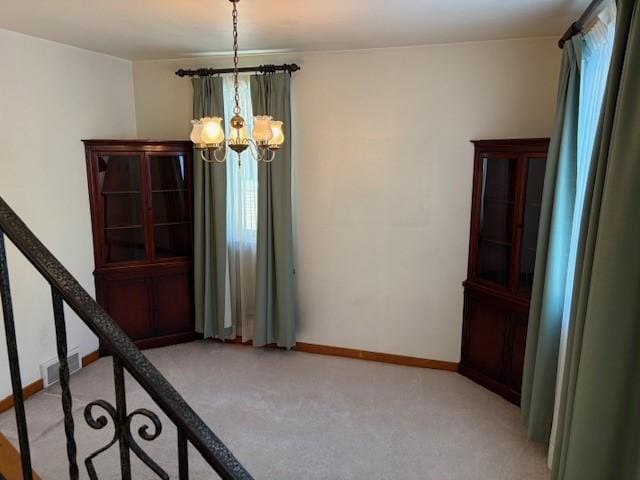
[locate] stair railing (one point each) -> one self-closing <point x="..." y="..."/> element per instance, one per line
<point x="126" y="356"/>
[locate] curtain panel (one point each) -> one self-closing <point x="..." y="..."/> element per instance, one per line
<point x="552" y="258"/>
<point x="209" y="221"/>
<point x="599" y="418"/>
<point x="275" y="296"/>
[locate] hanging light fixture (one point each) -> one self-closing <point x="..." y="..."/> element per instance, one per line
<point x="207" y="133"/>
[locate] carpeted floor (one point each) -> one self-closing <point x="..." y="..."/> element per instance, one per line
<point x="294" y="416"/>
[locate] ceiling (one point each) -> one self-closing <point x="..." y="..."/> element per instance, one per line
<point x="160" y="29"/>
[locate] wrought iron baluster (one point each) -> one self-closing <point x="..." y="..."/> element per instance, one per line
<point x="195" y="430"/>
<point x="183" y="456"/>
<point x="121" y="409"/>
<point x="98" y="423"/>
<point x="124" y="430"/>
<point x="14" y="365"/>
<point x="147" y="435"/>
<point x="61" y="343"/>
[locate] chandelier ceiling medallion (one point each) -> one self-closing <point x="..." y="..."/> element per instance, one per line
<point x="207" y="133"/>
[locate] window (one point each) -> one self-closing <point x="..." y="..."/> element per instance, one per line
<point x="242" y="219"/>
<point x="242" y="181"/>
<point x="597" y="46"/>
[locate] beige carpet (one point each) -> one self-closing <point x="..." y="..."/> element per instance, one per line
<point x="292" y="415"/>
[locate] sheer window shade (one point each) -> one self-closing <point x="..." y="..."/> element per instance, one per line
<point x="242" y="199"/>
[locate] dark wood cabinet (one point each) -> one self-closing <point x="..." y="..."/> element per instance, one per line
<point x="141" y="202"/>
<point x="505" y="212"/>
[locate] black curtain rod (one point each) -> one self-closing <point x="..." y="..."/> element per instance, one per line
<point x="577" y="26"/>
<point x="205" y="72"/>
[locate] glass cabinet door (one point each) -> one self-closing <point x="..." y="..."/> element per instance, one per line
<point x="531" y="219"/>
<point x="496" y="219"/>
<point x="171" y="215"/>
<point x="119" y="185"/>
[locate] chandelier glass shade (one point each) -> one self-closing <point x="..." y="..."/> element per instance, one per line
<point x="207" y="133"/>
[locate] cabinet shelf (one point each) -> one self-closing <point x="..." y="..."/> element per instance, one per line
<point x="170" y="190"/>
<point x="121" y="192"/>
<point x="495" y="242"/>
<point x="122" y="227"/>
<point x="168" y="224"/>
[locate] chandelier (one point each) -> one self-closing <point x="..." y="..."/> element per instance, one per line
<point x="207" y="133"/>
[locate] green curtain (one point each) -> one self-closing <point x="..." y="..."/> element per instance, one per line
<point x="552" y="258"/>
<point x="209" y="220"/>
<point x="275" y="297"/>
<point x="599" y="415"/>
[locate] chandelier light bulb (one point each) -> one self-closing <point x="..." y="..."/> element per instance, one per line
<point x="277" y="137"/>
<point x="212" y="132"/>
<point x="262" y="132"/>
<point x="196" y="132"/>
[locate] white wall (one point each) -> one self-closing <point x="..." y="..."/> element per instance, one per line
<point x="383" y="169"/>
<point x="51" y="97"/>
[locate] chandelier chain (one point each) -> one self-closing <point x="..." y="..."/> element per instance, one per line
<point x="208" y="134"/>
<point x="234" y="15"/>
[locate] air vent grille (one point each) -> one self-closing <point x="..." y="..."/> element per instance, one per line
<point x="51" y="369"/>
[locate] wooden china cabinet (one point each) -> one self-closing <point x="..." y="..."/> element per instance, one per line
<point x="507" y="193"/>
<point x="141" y="204"/>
